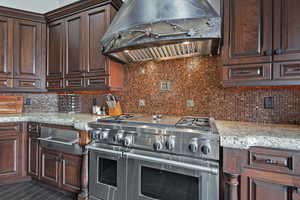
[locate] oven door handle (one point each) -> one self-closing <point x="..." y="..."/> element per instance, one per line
<point x="48" y="139"/>
<point x="211" y="170"/>
<point x="118" y="153"/>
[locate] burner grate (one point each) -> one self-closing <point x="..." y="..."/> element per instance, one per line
<point x="194" y="123"/>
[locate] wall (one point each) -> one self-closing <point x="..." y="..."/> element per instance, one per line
<point x="39" y="6"/>
<point x="198" y="79"/>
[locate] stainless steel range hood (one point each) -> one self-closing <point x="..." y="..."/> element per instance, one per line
<point x="146" y="30"/>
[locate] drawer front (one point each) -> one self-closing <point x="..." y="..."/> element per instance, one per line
<point x="273" y="160"/>
<point x="74" y="82"/>
<point x="94" y="82"/>
<point x="6" y="83"/>
<point x="27" y="83"/>
<point x="248" y="72"/>
<point x="287" y="70"/>
<point x="55" y="84"/>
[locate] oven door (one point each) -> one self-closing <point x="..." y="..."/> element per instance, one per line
<point x="107" y="174"/>
<point x="170" y="178"/>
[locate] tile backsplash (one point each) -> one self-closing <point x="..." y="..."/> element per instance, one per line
<point x="196" y="90"/>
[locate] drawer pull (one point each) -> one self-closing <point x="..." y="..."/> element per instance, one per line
<point x="271" y="162"/>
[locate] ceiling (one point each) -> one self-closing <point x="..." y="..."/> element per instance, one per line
<point x="39" y="6"/>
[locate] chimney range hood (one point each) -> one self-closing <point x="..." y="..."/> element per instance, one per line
<point x="146" y="30"/>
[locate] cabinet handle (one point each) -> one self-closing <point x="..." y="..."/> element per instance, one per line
<point x="278" y="51"/>
<point x="268" y="52"/>
<point x="271" y="162"/>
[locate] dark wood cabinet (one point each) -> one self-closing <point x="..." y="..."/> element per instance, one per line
<point x="247" y="31"/>
<point x="33" y="150"/>
<point x="261" y="173"/>
<point x="84" y="67"/>
<point x="261" y="32"/>
<point x="12" y="153"/>
<point x="6" y="52"/>
<point x="71" y="170"/>
<point x="50" y="167"/>
<point x="286" y="30"/>
<point x="22" y="51"/>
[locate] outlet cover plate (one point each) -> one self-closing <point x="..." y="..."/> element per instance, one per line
<point x="269" y="103"/>
<point x="27" y="101"/>
<point x="142" y="102"/>
<point x="190" y="103"/>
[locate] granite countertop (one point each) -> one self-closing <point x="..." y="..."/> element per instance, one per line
<point x="78" y="121"/>
<point x="243" y="135"/>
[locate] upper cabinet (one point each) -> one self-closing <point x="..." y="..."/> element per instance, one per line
<point x="261" y="43"/>
<point x="81" y="65"/>
<point x="248" y="31"/>
<point x="22" y="51"/>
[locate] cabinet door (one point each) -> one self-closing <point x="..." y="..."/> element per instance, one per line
<point x="287" y="30"/>
<point x="9" y="151"/>
<point x="28" y="54"/>
<point x="71" y="170"/>
<point x="50" y="166"/>
<point x="6" y="47"/>
<point x="261" y="185"/>
<point x="97" y="21"/>
<point x="33" y="157"/>
<point x="56" y="47"/>
<point x="247" y="31"/>
<point x="74" y="46"/>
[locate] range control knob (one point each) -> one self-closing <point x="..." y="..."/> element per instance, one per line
<point x="95" y="134"/>
<point x="157" y="146"/>
<point x="127" y="140"/>
<point x="193" y="146"/>
<point x="205" y="149"/>
<point x="119" y="136"/>
<point x="104" y="134"/>
<point x="170" y="143"/>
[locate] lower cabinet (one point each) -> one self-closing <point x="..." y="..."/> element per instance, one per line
<point x="61" y="170"/>
<point x="261" y="174"/>
<point x="12" y="153"/>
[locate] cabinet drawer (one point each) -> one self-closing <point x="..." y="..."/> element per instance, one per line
<point x="271" y="159"/>
<point x="247" y="72"/>
<point x="287" y="70"/>
<point x="74" y="82"/>
<point x="6" y="83"/>
<point x="27" y="83"/>
<point x="55" y="84"/>
<point x="94" y="82"/>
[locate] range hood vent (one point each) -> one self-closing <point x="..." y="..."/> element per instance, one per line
<point x="146" y="30"/>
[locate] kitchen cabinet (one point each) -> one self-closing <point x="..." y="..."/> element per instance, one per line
<point x="261" y="173"/>
<point x="55" y="58"/>
<point x="22" y="50"/>
<point x="247" y="31"/>
<point x="33" y="150"/>
<point x="261" y="33"/>
<point x="83" y="67"/>
<point x="61" y="170"/>
<point x="50" y="167"/>
<point x="12" y="153"/>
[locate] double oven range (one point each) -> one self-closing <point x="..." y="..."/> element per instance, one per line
<point x="139" y="157"/>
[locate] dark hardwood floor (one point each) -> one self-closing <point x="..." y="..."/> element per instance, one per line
<point x="31" y="191"/>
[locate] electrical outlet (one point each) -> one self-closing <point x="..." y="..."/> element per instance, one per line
<point x="142" y="102"/>
<point x="190" y="103"/>
<point x="268" y="103"/>
<point x="27" y="101"/>
<point x="165" y="86"/>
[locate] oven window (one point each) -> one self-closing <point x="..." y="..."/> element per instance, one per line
<point x="164" y="185"/>
<point x="107" y="171"/>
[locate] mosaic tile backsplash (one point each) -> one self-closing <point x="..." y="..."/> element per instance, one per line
<point x="198" y="79"/>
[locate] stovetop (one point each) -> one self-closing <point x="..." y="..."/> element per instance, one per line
<point x="159" y="121"/>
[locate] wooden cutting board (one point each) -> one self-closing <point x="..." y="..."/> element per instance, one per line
<point x="11" y="104"/>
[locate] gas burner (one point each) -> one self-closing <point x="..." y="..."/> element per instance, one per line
<point x="116" y="118"/>
<point x="197" y="123"/>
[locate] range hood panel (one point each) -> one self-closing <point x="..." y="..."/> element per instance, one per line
<point x="152" y="23"/>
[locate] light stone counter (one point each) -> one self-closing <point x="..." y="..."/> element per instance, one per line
<point x="243" y="135"/>
<point x="78" y="121"/>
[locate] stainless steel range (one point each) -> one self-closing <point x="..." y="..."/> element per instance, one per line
<point x="139" y="157"/>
